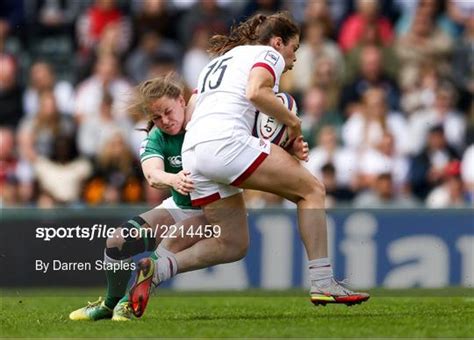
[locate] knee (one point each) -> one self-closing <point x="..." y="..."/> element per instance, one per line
<point x="316" y="191"/>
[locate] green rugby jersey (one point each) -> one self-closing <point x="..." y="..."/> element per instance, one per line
<point x="168" y="148"/>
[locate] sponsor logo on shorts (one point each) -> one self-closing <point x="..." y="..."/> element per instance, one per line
<point x="271" y="57"/>
<point x="175" y="161"/>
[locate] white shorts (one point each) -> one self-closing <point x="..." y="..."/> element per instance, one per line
<point x="176" y="212"/>
<point x="218" y="167"/>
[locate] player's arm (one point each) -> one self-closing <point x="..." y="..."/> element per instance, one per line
<point x="157" y="177"/>
<point x="260" y="93"/>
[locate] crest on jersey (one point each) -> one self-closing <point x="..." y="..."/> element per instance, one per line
<point x="271" y="57"/>
<point x="175" y="161"/>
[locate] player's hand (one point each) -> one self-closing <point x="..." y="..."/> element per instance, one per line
<point x="300" y="149"/>
<point x="182" y="183"/>
<point x="294" y="131"/>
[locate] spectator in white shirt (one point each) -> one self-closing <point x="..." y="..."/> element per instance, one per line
<point x="328" y="151"/>
<point x="365" y="129"/>
<point x="442" y="113"/>
<point x="42" y="78"/>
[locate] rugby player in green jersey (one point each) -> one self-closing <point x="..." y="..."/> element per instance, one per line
<point x="161" y="100"/>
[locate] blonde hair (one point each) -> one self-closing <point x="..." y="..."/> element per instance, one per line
<point x="150" y="90"/>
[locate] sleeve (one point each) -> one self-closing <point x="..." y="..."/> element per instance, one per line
<point x="152" y="146"/>
<point x="271" y="60"/>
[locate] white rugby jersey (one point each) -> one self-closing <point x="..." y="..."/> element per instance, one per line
<point x="222" y="108"/>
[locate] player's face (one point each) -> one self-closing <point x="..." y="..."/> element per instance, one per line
<point x="168" y="114"/>
<point x="288" y="52"/>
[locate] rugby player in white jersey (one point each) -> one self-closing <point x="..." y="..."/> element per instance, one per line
<point x="223" y="157"/>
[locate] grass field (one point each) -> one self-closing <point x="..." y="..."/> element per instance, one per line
<point x="410" y="313"/>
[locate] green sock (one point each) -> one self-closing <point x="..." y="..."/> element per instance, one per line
<point x="117" y="282"/>
<point x="124" y="299"/>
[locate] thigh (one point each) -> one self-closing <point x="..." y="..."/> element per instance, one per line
<point x="230" y="215"/>
<point x="281" y="174"/>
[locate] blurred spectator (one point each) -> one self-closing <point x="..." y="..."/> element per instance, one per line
<point x="315" y="115"/>
<point x="467" y="170"/>
<point x="154" y="16"/>
<point x="103" y="19"/>
<point x="383" y="195"/>
<point x="10" y="92"/>
<point x="434" y="7"/>
<point x="423" y="42"/>
<point x="442" y="113"/>
<point x="353" y="28"/>
<point x="306" y="10"/>
<point x="11" y="17"/>
<point x="463" y="62"/>
<point x="93" y="132"/>
<point x="61" y="177"/>
<point x="150" y="45"/>
<point x="106" y="77"/>
<point x="460" y="11"/>
<point x="365" y="129"/>
<point x="42" y="79"/>
<point x="313" y="48"/>
<point x="37" y="134"/>
<point x="428" y="167"/>
<point x="419" y="92"/>
<point x="320" y="11"/>
<point x="161" y="65"/>
<point x="55" y="17"/>
<point x="325" y="76"/>
<point x="382" y="160"/>
<point x="328" y="151"/>
<point x="16" y="177"/>
<point x="206" y="14"/>
<point x="116" y="177"/>
<point x="450" y="193"/>
<point x="196" y="58"/>
<point x="259" y="6"/>
<point x="335" y="193"/>
<point x="370" y="37"/>
<point x="370" y="74"/>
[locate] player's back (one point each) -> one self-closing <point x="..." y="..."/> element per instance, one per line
<point x="222" y="108"/>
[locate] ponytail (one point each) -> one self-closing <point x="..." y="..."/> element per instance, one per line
<point x="243" y="34"/>
<point x="258" y="29"/>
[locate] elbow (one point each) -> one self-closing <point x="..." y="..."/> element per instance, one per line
<point x="252" y="94"/>
<point x="149" y="179"/>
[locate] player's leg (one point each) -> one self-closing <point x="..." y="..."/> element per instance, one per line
<point x="298" y="185"/>
<point x="120" y="247"/>
<point x="230" y="245"/>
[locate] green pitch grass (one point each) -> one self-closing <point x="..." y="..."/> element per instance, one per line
<point x="413" y="313"/>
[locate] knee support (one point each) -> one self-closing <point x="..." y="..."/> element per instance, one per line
<point x="132" y="246"/>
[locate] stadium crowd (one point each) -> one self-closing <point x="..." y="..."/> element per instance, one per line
<point x="384" y="89"/>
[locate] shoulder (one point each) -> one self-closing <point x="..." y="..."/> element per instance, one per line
<point x="156" y="135"/>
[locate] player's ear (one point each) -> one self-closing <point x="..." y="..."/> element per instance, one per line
<point x="181" y="100"/>
<point x="276" y="43"/>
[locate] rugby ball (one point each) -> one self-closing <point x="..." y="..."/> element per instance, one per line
<point x="269" y="128"/>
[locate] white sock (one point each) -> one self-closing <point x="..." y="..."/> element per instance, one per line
<point x="166" y="266"/>
<point x="320" y="271"/>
